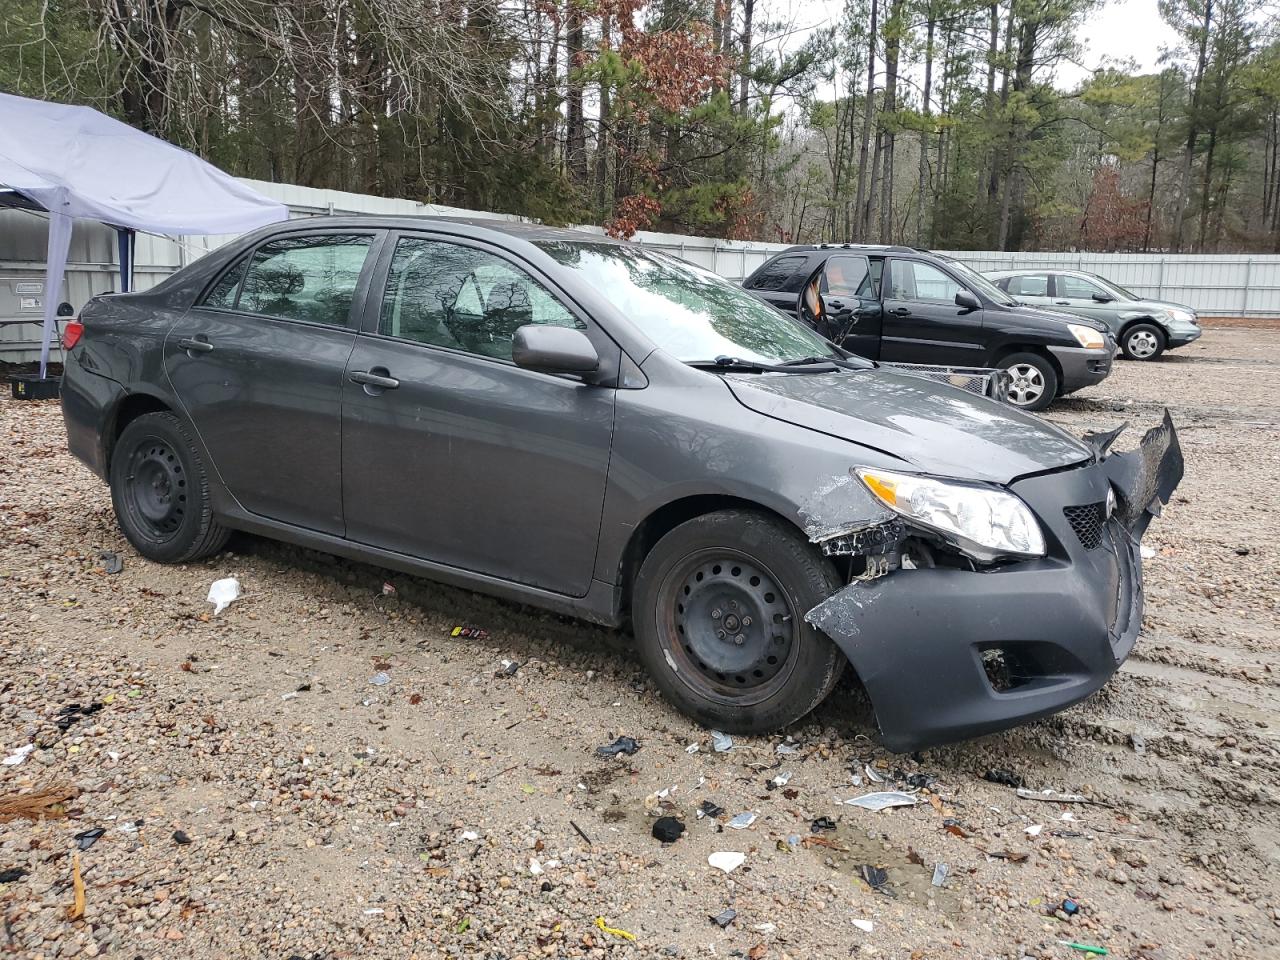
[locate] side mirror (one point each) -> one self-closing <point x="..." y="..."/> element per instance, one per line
<point x="1102" y="298"/>
<point x="66" y="310"/>
<point x="966" y="299"/>
<point x="551" y="349"/>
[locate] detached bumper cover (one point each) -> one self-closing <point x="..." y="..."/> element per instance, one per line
<point x="946" y="654"/>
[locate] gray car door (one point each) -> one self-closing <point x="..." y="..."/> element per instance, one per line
<point x="1076" y="295"/>
<point x="1030" y="288"/>
<point x="258" y="365"/>
<point x="450" y="452"/>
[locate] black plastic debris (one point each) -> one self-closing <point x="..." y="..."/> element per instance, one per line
<point x="877" y="878"/>
<point x="921" y="781"/>
<point x="546" y="887"/>
<point x="111" y="562"/>
<point x="625" y="745"/>
<point x="180" y="837"/>
<point x="1004" y="777"/>
<point x="725" y="917"/>
<point x="709" y="809"/>
<point x="12" y="874"/>
<point x="821" y="824"/>
<point x="509" y="668"/>
<point x="667" y="829"/>
<point x="1242" y="551"/>
<point x="87" y="838"/>
<point x="73" y="713"/>
<point x="1070" y="907"/>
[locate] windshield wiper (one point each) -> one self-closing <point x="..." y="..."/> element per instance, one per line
<point x="853" y="362"/>
<point x="752" y="366"/>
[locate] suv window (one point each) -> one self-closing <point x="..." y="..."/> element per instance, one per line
<point x="913" y="280"/>
<point x="776" y="274"/>
<point x="311" y="278"/>
<point x="1033" y="285"/>
<point x="448" y="295"/>
<point x="847" y="277"/>
<point x="1076" y="288"/>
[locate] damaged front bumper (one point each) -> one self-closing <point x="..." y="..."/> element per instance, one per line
<point x="947" y="653"/>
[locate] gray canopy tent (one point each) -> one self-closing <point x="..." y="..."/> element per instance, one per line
<point x="75" y="163"/>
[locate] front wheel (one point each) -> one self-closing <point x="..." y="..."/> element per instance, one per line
<point x="160" y="491"/>
<point x="718" y="608"/>
<point x="1034" y="382"/>
<point x="1143" y="341"/>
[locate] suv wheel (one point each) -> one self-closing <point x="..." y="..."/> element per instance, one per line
<point x="1143" y="341"/>
<point x="1034" y="382"/>
<point x="718" y="608"/>
<point x="160" y="491"/>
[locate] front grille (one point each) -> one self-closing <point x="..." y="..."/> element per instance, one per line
<point x="1088" y="522"/>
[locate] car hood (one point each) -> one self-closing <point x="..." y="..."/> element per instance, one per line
<point x="1060" y="317"/>
<point x="1156" y="305"/>
<point x="934" y="428"/>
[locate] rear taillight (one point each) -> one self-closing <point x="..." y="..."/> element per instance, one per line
<point x="71" y="334"/>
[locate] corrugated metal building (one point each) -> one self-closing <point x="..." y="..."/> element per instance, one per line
<point x="1234" y="285"/>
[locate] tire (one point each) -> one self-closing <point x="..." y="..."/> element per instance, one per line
<point x="160" y="491"/>
<point x="1143" y="341"/>
<point x="744" y="571"/>
<point x="1035" y="382"/>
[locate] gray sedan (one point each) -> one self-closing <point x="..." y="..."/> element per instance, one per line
<point x="594" y="429"/>
<point x="1144" y="328"/>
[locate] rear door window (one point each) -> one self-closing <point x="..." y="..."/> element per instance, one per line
<point x="312" y="278"/>
<point x="785" y="274"/>
<point x="1032" y="285"/>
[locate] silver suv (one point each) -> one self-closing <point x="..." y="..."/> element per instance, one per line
<point x="1144" y="328"/>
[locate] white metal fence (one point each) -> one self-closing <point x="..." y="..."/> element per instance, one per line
<point x="1228" y="286"/>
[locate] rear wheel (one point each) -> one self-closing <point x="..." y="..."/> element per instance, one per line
<point x="160" y="491"/>
<point x="718" y="608"/>
<point x="1034" y="383"/>
<point x="1143" y="341"/>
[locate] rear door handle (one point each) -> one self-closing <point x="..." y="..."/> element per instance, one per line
<point x="368" y="378"/>
<point x="192" y="345"/>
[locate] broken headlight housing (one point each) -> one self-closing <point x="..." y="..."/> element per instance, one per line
<point x="993" y="520"/>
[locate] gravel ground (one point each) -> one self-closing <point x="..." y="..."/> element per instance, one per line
<point x="261" y="797"/>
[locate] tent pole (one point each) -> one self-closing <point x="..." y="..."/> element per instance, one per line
<point x="125" y="243"/>
<point x="55" y="267"/>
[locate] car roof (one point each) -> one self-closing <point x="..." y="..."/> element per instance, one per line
<point x="857" y="247"/>
<point x="480" y="226"/>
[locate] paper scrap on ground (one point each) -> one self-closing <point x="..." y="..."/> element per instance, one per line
<point x="222" y="593"/>
<point x="727" y="861"/>
<point x="881" y="801"/>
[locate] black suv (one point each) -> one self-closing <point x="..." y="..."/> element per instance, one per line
<point x="903" y="305"/>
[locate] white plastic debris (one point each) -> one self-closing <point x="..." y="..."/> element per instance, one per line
<point x="939" y="875"/>
<point x="881" y="801"/>
<point x="787" y="747"/>
<point x="870" y="771"/>
<point x="222" y="593"/>
<point x="781" y="780"/>
<point x="291" y="695"/>
<point x="866" y="926"/>
<point x="742" y="821"/>
<point x="15" y="758"/>
<point x="691" y="748"/>
<point x="1034" y="830"/>
<point x="535" y="867"/>
<point x="721" y="742"/>
<point x="727" y="860"/>
<point x="469" y="835"/>
<point x="374" y="912"/>
<point x="765" y="927"/>
<point x="1148" y="553"/>
<point x="1052" y="796"/>
<point x="380" y="679"/>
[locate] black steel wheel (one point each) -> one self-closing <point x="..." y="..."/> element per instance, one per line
<point x="160" y="491"/>
<point x="719" y="608"/>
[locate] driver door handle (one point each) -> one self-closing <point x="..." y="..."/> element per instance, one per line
<point x="1062" y="303"/>
<point x="192" y="345"/>
<point x="901" y="311"/>
<point x="370" y="379"/>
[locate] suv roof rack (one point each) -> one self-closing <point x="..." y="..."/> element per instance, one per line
<point x="877" y="247"/>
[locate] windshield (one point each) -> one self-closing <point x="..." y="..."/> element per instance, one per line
<point x="689" y="312"/>
<point x="977" y="283"/>
<point x="1115" y="288"/>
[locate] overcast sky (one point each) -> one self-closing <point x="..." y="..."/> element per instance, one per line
<point x="1121" y="29"/>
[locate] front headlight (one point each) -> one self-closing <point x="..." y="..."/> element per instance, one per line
<point x="1087" y="337"/>
<point x="1182" y="316"/>
<point x="993" y="519"/>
